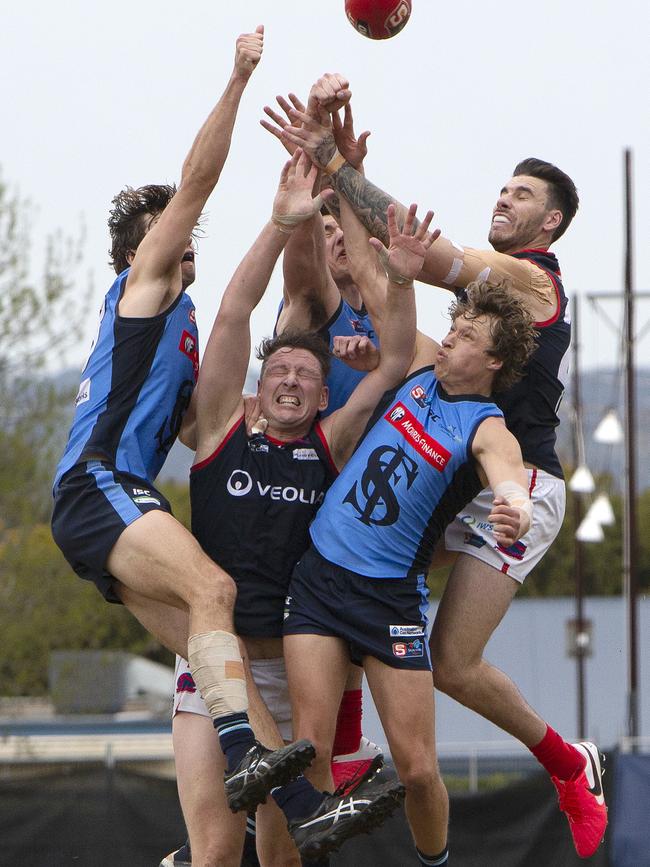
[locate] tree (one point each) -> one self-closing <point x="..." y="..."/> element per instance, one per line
<point x="39" y="321"/>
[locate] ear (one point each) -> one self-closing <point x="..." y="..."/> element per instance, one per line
<point x="130" y="256"/>
<point x="324" y="398"/>
<point x="494" y="363"/>
<point x="552" y="220"/>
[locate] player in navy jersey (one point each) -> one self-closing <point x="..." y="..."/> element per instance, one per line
<point x="534" y="208"/>
<point x="320" y="294"/>
<point x="253" y="497"/>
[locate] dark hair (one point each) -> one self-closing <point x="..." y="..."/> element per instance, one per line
<point x="511" y="328"/>
<point x="127" y="219"/>
<point x="312" y="341"/>
<point x="563" y="194"/>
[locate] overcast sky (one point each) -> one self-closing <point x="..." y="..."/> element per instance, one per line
<point x="99" y="95"/>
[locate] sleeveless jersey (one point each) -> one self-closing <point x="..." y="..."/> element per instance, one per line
<point x="531" y="406"/>
<point x="252" y="503"/>
<point x="410" y="475"/>
<point x="138" y="381"/>
<point x="342" y="379"/>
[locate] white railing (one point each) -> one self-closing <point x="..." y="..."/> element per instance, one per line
<point x="107" y="748"/>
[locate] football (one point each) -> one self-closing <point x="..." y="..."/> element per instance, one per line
<point x="378" y="19"/>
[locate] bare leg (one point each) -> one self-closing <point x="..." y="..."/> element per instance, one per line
<point x="317" y="668"/>
<point x="475" y="600"/>
<point x="216" y="834"/>
<point x="159" y="559"/>
<point x="405" y="704"/>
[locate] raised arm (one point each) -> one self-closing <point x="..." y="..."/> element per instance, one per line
<point x="406" y="252"/>
<point x="446" y="264"/>
<point x="226" y="357"/>
<point x="501" y="467"/>
<point x="155" y="279"/>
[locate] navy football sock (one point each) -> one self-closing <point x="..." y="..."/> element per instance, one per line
<point x="235" y="736"/>
<point x="439" y="860"/>
<point x="298" y="798"/>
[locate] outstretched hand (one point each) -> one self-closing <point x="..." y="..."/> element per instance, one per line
<point x="248" y="52"/>
<point x="293" y="201"/>
<point x="407" y="247"/>
<point x="351" y="148"/>
<point x="279" y="123"/>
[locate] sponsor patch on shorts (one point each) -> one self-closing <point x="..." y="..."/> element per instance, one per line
<point x="474" y="540"/>
<point x="408" y="649"/>
<point x="412" y="630"/>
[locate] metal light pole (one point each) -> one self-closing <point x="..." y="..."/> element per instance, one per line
<point x="578" y="514"/>
<point x="630" y="543"/>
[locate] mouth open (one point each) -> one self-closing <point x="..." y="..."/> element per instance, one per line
<point x="188" y="257"/>
<point x="288" y="400"/>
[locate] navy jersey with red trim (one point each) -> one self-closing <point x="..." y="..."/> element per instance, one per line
<point x="136" y="386"/>
<point x="252" y="503"/>
<point x="411" y="473"/>
<point x="531" y="406"/>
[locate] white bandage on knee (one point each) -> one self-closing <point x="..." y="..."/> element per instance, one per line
<point x="218" y="671"/>
<point x="517" y="497"/>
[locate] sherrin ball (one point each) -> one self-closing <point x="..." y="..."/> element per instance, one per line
<point x="378" y="19"/>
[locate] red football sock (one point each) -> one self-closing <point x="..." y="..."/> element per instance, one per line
<point x="348" y="724"/>
<point x="559" y="758"/>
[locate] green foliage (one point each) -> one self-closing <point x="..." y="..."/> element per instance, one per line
<point x="44" y="607"/>
<point x="38" y="323"/>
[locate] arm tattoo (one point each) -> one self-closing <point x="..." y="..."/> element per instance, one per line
<point x="368" y="202"/>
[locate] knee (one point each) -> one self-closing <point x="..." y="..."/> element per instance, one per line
<point x="421" y="778"/>
<point x="451" y="669"/>
<point x="213" y="588"/>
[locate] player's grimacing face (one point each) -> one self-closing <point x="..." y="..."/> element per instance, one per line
<point x="519" y="213"/>
<point x="292" y="389"/>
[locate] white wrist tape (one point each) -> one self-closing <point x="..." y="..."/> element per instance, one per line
<point x="218" y="671"/>
<point x="287" y="222"/>
<point x="517" y="497"/>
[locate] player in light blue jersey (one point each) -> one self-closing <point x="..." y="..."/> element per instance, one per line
<point x="111" y="523"/>
<point x="360" y="593"/>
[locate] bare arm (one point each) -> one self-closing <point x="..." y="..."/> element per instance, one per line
<point x="225" y="362"/>
<point x="501" y="467"/>
<point x="446" y="264"/>
<point x="406" y="252"/>
<point x="155" y="279"/>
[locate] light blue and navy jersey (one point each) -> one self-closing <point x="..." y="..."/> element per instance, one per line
<point x="136" y="386"/>
<point x="342" y="379"/>
<point x="411" y="473"/>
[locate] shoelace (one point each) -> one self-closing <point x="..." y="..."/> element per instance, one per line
<point x="569" y="801"/>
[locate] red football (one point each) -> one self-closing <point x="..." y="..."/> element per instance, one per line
<point x="378" y="19"/>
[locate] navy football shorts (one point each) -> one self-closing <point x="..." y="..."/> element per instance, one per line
<point x="93" y="504"/>
<point x="380" y="617"/>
